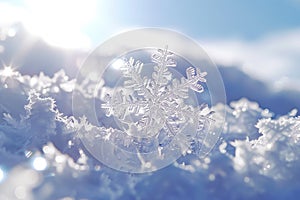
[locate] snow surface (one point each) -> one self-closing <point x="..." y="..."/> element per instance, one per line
<point x="42" y="157"/>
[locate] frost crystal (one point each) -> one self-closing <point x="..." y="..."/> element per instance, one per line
<point x="146" y="105"/>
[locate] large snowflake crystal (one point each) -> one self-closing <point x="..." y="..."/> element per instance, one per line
<point x="145" y="106"/>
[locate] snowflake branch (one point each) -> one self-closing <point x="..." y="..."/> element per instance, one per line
<point x="161" y="74"/>
<point x="132" y="71"/>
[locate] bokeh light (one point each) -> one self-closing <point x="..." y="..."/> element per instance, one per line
<point x="39" y="163"/>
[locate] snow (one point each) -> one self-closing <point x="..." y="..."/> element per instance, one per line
<point x="42" y="156"/>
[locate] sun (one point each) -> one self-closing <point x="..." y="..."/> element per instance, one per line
<point x="8" y="71"/>
<point x="60" y="23"/>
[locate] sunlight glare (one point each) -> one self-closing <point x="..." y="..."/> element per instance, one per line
<point x="61" y="23"/>
<point x="8" y="71"/>
<point x="118" y="64"/>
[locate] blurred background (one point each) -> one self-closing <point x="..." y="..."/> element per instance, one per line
<point x="255" y="43"/>
<point x="256" y="46"/>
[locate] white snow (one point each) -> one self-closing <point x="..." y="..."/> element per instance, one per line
<point x="257" y="155"/>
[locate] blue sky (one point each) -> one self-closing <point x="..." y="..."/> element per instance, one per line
<point x="204" y="19"/>
<point x="259" y="37"/>
<point x="200" y="19"/>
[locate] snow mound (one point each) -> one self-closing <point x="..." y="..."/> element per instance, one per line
<point x="42" y="157"/>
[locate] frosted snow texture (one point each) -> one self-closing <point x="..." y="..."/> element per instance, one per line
<point x="257" y="156"/>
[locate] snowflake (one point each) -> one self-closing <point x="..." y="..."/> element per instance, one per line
<point x="146" y="106"/>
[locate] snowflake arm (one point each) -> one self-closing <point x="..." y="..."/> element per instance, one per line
<point x="180" y="88"/>
<point x="161" y="74"/>
<point x="132" y="71"/>
<point x="120" y="105"/>
<point x="194" y="78"/>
